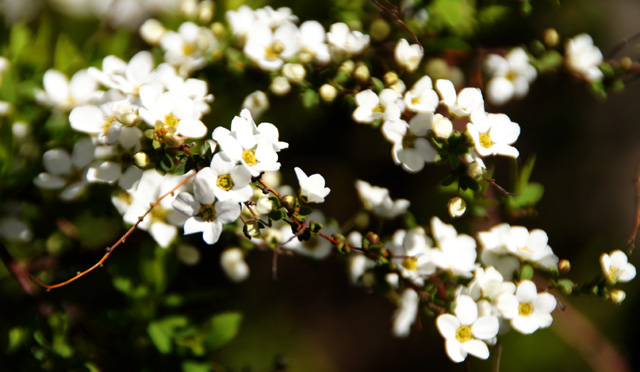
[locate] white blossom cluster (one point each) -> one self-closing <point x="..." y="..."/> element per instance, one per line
<point x="169" y="105"/>
<point x="492" y="134"/>
<point x="490" y="300"/>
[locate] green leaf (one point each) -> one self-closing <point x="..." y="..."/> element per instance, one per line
<point x="493" y="14"/>
<point x="19" y="40"/>
<point x="194" y="366"/>
<point x="378" y="85"/>
<point x="310" y="98"/>
<point x="222" y="328"/>
<point x="304" y="211"/>
<point x="67" y="56"/>
<point x="549" y="61"/>
<point x="162" y="332"/>
<point x="458" y="16"/>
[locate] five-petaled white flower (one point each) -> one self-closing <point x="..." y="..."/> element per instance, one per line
<point x="410" y="148"/>
<point x="584" y="58"/>
<point x="422" y="97"/>
<point x="312" y="188"/>
<point x="373" y="107"/>
<point x="616" y="267"/>
<point x="206" y="215"/>
<point x="509" y="76"/>
<point x="462" y="104"/>
<point x="528" y="310"/>
<point x="493" y="134"/>
<point x="464" y="332"/>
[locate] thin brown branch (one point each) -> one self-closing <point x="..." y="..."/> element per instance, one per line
<point x="500" y="188"/>
<point x="636" y="222"/>
<point x="622" y="44"/>
<point x="115" y="245"/>
<point x="394" y="12"/>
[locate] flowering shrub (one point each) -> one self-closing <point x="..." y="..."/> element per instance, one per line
<point x="194" y="122"/>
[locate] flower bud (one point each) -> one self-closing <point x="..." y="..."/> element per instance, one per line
<point x="442" y="126"/>
<point x="551" y="37"/>
<point x="295" y="72"/>
<point x="189" y="8"/>
<point x="475" y="170"/>
<point x="362" y="72"/>
<point x="141" y="159"/>
<point x="347" y="67"/>
<point x="288" y="202"/>
<point x="257" y="103"/>
<point x="233" y="264"/>
<point x="152" y="31"/>
<point x="20" y="130"/>
<point x="128" y="118"/>
<point x="617" y="296"/>
<point x="218" y="30"/>
<point x="280" y="86"/>
<point x="390" y="78"/>
<point x="626" y="63"/>
<point x="564" y="266"/>
<point x="379" y="29"/>
<point x="399" y="87"/>
<point x="457" y="206"/>
<point x="373" y="238"/>
<point x="328" y="93"/>
<point x="264" y="205"/>
<point x="205" y="11"/>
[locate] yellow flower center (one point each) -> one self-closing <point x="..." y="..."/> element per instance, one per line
<point x="525" y="309"/>
<point x="409" y="140"/>
<point x="188" y="49"/>
<point x="274" y="50"/>
<point x="612" y="273"/>
<point x="463" y="334"/>
<point x="410" y="263"/>
<point x="207" y="212"/>
<point x="485" y="140"/>
<point x="249" y="157"/>
<point x="225" y="182"/>
<point x="415" y="100"/>
<point x="379" y="109"/>
<point x="170" y="120"/>
<point x="159" y="214"/>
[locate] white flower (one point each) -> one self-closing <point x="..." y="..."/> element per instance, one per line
<point x="496" y="250"/>
<point x="455" y="252"/>
<point x="328" y="92"/>
<point x="233" y="263"/>
<point x="152" y="31"/>
<point x="464" y="332"/>
<point x="313" y="46"/>
<point x="488" y="283"/>
<point x="14" y="228"/>
<point x="441" y="126"/>
<point x="377" y="200"/>
<point x="206" y="215"/>
<point x="267" y="48"/>
<point x="413" y="247"/>
<point x="583" y="58"/>
<point x="227" y="180"/>
<point x="312" y="188"/>
<point x="408" y="56"/>
<point x="528" y="310"/>
<point x="373" y="107"/>
<point x="254" y="146"/>
<point x="493" y="134"/>
<point x="410" y="148"/>
<point x="170" y="113"/>
<point x="241" y="20"/>
<point x="187" y="48"/>
<point x="64" y="171"/>
<point x="346" y="42"/>
<point x="63" y="94"/>
<point x="275" y="18"/>
<point x="406" y="313"/>
<point x="422" y="97"/>
<point x="616" y="267"/>
<point x="163" y="220"/>
<point x="129" y="77"/>
<point x="463" y="104"/>
<point x="510" y="76"/>
<point x="257" y="103"/>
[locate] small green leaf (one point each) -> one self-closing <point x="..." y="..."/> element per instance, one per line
<point x="526" y="273"/>
<point x="162" y="332"/>
<point x="378" y="85"/>
<point x="67" y="56"/>
<point x="304" y="211"/>
<point x="194" y="366"/>
<point x="310" y="98"/>
<point x="492" y="14"/>
<point x="222" y="328"/>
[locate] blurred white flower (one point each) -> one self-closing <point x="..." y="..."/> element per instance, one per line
<point x="616" y="267"/>
<point x="406" y="313"/>
<point x="408" y="56"/>
<point x="233" y="264"/>
<point x="509" y="76"/>
<point x="312" y="188"/>
<point x="377" y="200"/>
<point x="583" y="58"/>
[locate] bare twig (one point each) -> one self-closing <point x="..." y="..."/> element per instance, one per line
<point x="394" y="12"/>
<point x="110" y="249"/>
<point x="500" y="188"/>
<point x="636" y="222"/>
<point x="623" y="43"/>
